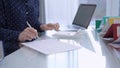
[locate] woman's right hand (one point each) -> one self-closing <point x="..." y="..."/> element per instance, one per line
<point x="28" y="34"/>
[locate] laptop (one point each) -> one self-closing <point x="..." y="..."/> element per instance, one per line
<point x="82" y="18"/>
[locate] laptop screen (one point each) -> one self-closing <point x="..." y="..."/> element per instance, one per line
<point x="84" y="15"/>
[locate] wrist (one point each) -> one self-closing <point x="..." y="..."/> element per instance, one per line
<point x="42" y="27"/>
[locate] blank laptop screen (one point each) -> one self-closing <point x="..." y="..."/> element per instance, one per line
<point x="84" y="15"/>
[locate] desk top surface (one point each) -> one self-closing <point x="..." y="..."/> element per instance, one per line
<point x="94" y="53"/>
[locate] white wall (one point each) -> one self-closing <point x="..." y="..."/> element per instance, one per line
<point x="83" y="1"/>
<point x="61" y="11"/>
<point x="112" y="8"/>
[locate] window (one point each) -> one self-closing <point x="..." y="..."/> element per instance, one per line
<point x="100" y="9"/>
<point x="112" y="8"/>
<point x="63" y="11"/>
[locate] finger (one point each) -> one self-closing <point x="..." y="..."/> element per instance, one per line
<point x="28" y="36"/>
<point x="56" y="26"/>
<point x="24" y="36"/>
<point x="32" y="31"/>
<point x="31" y="35"/>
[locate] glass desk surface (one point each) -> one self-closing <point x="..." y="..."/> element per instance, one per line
<point x="94" y="53"/>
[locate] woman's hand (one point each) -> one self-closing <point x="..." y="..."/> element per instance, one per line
<point x="50" y="26"/>
<point x="28" y="34"/>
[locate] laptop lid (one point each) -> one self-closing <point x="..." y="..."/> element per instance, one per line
<point x="84" y="15"/>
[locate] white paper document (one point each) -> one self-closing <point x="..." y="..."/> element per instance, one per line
<point x="50" y="46"/>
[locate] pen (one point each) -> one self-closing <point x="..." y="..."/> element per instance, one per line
<point x="30" y="27"/>
<point x="29" y="24"/>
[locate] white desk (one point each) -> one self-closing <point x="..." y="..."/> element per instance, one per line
<point x="94" y="53"/>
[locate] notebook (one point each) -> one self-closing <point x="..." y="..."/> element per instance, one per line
<point x="82" y="18"/>
<point x="50" y="46"/>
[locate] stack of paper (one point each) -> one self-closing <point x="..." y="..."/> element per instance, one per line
<point x="50" y="46"/>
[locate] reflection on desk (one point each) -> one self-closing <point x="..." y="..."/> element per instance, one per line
<point x="94" y="53"/>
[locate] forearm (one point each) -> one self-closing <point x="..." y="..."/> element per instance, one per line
<point x="42" y="27"/>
